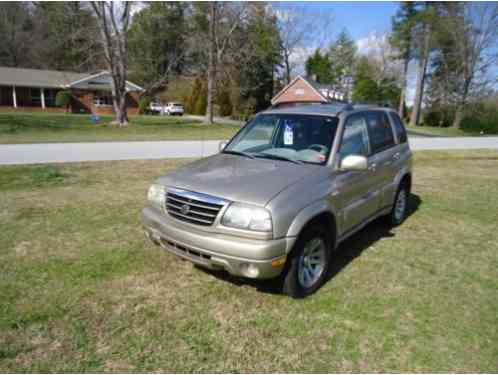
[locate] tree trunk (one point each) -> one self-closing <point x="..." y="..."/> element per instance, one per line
<point x="401" y="109"/>
<point x="457" y="120"/>
<point x="120" y="107"/>
<point x="287" y="68"/>
<point x="421" y="69"/>
<point x="123" y="111"/>
<point x="211" y="73"/>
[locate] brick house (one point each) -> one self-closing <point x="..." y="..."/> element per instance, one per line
<point x="35" y="90"/>
<point x="306" y="90"/>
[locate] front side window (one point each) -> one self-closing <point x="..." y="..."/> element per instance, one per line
<point x="399" y="127"/>
<point x="380" y="131"/>
<point x="298" y="138"/>
<point x="355" y="137"/>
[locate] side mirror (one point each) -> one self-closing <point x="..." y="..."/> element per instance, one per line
<point x="354" y="163"/>
<point x="222" y="145"/>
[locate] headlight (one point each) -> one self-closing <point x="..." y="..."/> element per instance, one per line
<point x="247" y="217"/>
<point x="157" y="195"/>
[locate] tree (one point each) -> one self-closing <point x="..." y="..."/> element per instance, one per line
<point x="365" y="88"/>
<point x="114" y="23"/>
<point x="298" y="28"/>
<point x="342" y="55"/>
<point x="372" y="84"/>
<point x="319" y="67"/>
<point x="260" y="56"/>
<point x="158" y="44"/>
<point x="467" y="36"/>
<point x="15" y="29"/>
<point x="401" y="38"/>
<point x="65" y="37"/>
<point x="423" y="41"/>
<point x="219" y="20"/>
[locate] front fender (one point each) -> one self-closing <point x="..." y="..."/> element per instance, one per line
<point x="309" y="213"/>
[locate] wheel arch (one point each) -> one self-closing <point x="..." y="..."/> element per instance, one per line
<point x="407" y="178"/>
<point x="321" y="213"/>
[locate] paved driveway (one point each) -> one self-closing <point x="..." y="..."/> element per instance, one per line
<point x="98" y="151"/>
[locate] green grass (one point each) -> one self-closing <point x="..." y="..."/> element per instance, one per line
<point x="81" y="290"/>
<point x="55" y="127"/>
<point x="436" y="131"/>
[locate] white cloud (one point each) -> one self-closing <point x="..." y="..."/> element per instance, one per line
<point x="298" y="58"/>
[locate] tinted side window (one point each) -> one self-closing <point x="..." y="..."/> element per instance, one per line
<point x="399" y="127"/>
<point x="380" y="131"/>
<point x="355" y="137"/>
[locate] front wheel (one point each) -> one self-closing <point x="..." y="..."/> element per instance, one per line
<point x="308" y="264"/>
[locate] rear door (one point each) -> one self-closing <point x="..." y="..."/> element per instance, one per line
<point x="383" y="158"/>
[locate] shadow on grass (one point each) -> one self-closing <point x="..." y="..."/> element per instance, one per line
<point x="345" y="253"/>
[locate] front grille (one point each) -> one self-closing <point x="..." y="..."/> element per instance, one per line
<point x="194" y="208"/>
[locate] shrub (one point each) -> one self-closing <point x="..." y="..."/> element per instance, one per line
<point x="63" y="99"/>
<point x="143" y="104"/>
<point x="224" y="103"/>
<point x="200" y="105"/>
<point x="439" y="117"/>
<point x="485" y="120"/>
<point x="195" y="104"/>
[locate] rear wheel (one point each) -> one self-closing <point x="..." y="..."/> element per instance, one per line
<point x="400" y="207"/>
<point x="308" y="264"/>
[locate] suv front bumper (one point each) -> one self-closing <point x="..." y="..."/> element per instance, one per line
<point x="239" y="256"/>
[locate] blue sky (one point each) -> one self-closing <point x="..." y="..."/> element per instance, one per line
<point x="360" y="18"/>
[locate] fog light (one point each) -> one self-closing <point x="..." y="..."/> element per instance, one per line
<point x="249" y="270"/>
<point x="275" y="263"/>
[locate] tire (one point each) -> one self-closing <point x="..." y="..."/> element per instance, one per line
<point x="400" y="206"/>
<point x="297" y="282"/>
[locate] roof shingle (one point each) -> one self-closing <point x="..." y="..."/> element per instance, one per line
<point x="38" y="78"/>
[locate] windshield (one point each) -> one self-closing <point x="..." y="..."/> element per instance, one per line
<point x="296" y="138"/>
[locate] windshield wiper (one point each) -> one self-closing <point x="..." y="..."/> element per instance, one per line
<point x="277" y="157"/>
<point x="231" y="152"/>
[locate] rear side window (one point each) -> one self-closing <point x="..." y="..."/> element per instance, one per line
<point x="380" y="131"/>
<point x="399" y="127"/>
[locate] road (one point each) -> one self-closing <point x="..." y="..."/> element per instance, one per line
<point x="99" y="151"/>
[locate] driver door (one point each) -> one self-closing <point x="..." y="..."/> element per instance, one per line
<point x="357" y="196"/>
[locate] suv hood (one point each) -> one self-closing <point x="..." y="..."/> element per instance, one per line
<point x="238" y="178"/>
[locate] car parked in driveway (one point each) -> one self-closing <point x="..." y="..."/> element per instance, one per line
<point x="174" y="109"/>
<point x="156" y="107"/>
<point x="284" y="192"/>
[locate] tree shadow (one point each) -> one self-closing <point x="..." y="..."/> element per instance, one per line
<point x="345" y="253"/>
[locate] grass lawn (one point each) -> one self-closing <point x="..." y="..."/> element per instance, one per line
<point x="81" y="290"/>
<point x="55" y="127"/>
<point x="445" y="132"/>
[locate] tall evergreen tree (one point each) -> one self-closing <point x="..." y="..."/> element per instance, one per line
<point x="318" y="66"/>
<point x="402" y="39"/>
<point x="342" y="55"/>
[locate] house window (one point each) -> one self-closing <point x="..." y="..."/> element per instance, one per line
<point x="49" y="97"/>
<point x="35" y="96"/>
<point x="101" y="99"/>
